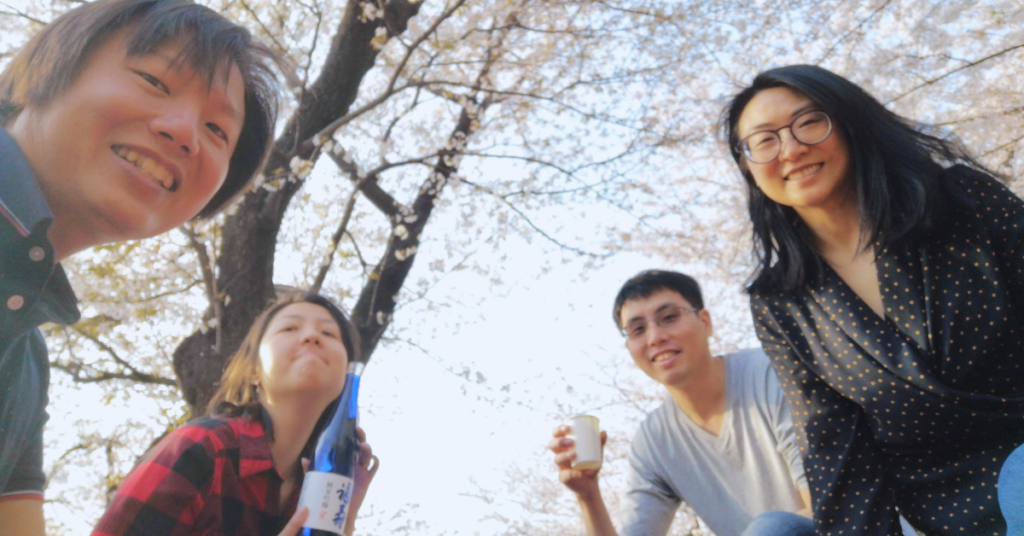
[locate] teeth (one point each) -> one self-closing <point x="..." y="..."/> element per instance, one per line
<point x="148" y="167"/>
<point x="662" y="357"/>
<point x="801" y="173"/>
<point x="162" y="175"/>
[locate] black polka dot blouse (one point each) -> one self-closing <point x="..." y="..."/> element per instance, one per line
<point x="917" y="411"/>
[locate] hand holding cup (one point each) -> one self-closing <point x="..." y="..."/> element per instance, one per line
<point x="578" y="453"/>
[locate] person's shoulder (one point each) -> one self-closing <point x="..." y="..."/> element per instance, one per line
<point x="985" y="197"/>
<point x="656" y="421"/>
<point x="975" y="186"/>
<point x="763" y="295"/>
<point x="212" y="434"/>
<point x="655" y="434"/>
<point x="771" y="299"/>
<point x="748" y="368"/>
<point x="748" y="357"/>
<point x="212" y="425"/>
<point x="967" y="174"/>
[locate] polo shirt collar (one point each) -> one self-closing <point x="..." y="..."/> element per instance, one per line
<point x="21" y="200"/>
<point x="24" y="207"/>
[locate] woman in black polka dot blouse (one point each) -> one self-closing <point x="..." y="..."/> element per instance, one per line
<point x="890" y="297"/>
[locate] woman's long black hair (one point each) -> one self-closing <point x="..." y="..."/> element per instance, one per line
<point x="896" y="166"/>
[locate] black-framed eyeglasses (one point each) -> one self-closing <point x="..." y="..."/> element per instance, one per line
<point x="664" y="318"/>
<point x="809" y="128"/>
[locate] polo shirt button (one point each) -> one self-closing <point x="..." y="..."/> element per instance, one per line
<point x="36" y="253"/>
<point x="15" y="302"/>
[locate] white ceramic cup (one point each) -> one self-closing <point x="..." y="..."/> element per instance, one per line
<point x="585" y="431"/>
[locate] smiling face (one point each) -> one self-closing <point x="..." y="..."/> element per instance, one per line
<point x="673" y="353"/>
<point x="302" y="354"/>
<point x="803" y="176"/>
<point x="134" y="147"/>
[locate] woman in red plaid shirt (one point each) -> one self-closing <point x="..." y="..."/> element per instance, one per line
<point x="239" y="471"/>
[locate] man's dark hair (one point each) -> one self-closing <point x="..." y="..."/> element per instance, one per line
<point x="897" y="169"/>
<point x="647" y="282"/>
<point x="54" y="57"/>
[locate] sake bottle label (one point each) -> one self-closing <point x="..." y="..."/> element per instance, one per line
<point x="327" y="496"/>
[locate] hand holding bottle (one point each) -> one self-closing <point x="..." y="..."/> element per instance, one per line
<point x="364" y="476"/>
<point x="295" y="523"/>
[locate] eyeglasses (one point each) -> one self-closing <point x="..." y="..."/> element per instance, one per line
<point x="809" y="128"/>
<point x="665" y="318"/>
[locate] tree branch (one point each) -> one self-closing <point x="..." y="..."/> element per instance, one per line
<point x="209" y="280"/>
<point x="534" y="226"/>
<point x="359" y="254"/>
<point x="390" y="91"/>
<point x="553" y="100"/>
<point x="420" y="40"/>
<point x="851" y="31"/>
<point x="374" y="193"/>
<point x="954" y="71"/>
<point x="1003" y="146"/>
<point x="15" y="12"/>
<point x="75" y="369"/>
<point x="336" y="237"/>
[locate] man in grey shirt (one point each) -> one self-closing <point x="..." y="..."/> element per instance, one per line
<point x="722" y="441"/>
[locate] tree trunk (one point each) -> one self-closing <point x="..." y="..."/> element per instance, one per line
<point x="246" y="263"/>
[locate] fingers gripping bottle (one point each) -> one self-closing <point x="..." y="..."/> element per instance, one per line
<point x="327" y="487"/>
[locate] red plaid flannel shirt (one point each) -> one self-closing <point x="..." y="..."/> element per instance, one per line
<point x="211" y="477"/>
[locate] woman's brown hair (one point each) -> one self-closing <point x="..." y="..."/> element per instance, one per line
<point x="237" y="396"/>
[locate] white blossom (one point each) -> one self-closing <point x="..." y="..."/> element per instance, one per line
<point x="301" y="168"/>
<point x="380" y="38"/>
<point x="370" y="11"/>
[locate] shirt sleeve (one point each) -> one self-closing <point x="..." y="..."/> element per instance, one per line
<point x="22" y="418"/>
<point x="164" y="494"/>
<point x="649" y="505"/>
<point x="782" y="427"/>
<point x="846" y="478"/>
<point x="27" y="479"/>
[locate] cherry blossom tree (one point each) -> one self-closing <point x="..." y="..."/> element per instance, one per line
<point x="447" y="130"/>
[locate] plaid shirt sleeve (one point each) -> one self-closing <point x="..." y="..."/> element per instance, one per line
<point x="165" y="494"/>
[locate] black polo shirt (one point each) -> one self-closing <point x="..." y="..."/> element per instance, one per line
<point x="33" y="290"/>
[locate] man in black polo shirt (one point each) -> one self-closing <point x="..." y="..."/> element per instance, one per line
<point x="121" y="120"/>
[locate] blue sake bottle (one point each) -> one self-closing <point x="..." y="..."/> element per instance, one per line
<point x="328" y="485"/>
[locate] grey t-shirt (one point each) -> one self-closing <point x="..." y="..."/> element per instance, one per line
<point x="753" y="466"/>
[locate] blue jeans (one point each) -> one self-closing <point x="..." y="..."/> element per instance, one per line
<point x="779" y="524"/>
<point x="1011" y="492"/>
